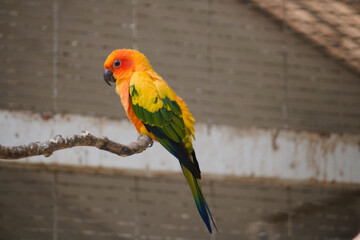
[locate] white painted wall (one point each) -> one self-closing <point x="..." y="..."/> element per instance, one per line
<point x="220" y="150"/>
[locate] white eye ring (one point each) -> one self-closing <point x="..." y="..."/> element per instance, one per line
<point x="117" y="63"/>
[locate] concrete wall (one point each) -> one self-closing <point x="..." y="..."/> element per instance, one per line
<point x="220" y="149"/>
<point x="232" y="64"/>
<point x="42" y="203"/>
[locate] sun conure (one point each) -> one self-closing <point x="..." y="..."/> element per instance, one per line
<point x="155" y="110"/>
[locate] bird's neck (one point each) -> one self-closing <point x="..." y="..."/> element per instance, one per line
<point x="122" y="89"/>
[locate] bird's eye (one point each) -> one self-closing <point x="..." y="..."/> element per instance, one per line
<point x="117" y="63"/>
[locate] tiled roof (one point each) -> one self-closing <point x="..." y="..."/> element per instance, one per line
<point x="332" y="24"/>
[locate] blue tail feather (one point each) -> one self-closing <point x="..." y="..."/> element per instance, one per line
<point x="191" y="170"/>
<point x="201" y="205"/>
<point x="213" y="222"/>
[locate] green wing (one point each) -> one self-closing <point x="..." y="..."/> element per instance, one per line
<point x="154" y="103"/>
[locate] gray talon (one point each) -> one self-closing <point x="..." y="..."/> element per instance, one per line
<point x="150" y="145"/>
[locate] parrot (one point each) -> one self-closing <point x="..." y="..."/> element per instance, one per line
<point x="156" y="111"/>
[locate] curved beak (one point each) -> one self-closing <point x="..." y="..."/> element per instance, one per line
<point x="108" y="76"/>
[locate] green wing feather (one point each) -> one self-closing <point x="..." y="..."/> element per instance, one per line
<point x="154" y="103"/>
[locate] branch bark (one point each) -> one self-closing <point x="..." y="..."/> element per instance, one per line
<point x="83" y="139"/>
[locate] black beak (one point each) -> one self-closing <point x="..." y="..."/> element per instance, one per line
<point x="108" y="76"/>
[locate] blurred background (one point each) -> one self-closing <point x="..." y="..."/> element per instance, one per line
<point x="273" y="85"/>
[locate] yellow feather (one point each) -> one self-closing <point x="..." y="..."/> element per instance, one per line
<point x="146" y="88"/>
<point x="149" y="86"/>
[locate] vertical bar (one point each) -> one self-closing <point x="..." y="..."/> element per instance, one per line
<point x="134" y="24"/>
<point x="136" y="214"/>
<point x="55" y="208"/>
<point x="289" y="213"/>
<point x="212" y="204"/>
<point x="209" y="63"/>
<point x="55" y="53"/>
<point x="284" y="70"/>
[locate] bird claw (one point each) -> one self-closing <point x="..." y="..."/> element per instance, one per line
<point x="150" y="145"/>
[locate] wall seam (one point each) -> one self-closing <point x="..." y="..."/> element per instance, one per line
<point x="55" y="53"/>
<point x="284" y="108"/>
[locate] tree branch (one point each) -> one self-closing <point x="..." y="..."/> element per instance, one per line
<point x="82" y="139"/>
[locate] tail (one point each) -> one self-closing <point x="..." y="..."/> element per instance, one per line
<point x="199" y="198"/>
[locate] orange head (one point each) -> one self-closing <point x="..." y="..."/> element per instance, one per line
<point x="122" y="63"/>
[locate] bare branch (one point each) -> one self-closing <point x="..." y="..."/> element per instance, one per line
<point x="82" y="139"/>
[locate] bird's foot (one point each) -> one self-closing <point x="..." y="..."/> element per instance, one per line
<point x="150" y="145"/>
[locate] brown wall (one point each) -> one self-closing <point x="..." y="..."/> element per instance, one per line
<point x="232" y="64"/>
<point x="39" y="203"/>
